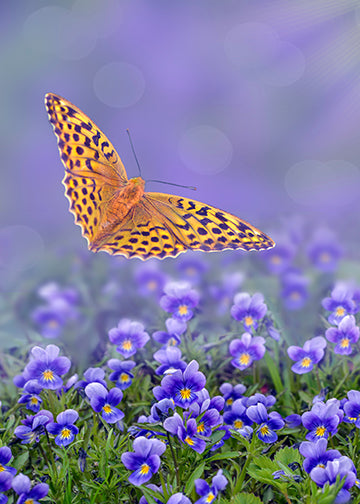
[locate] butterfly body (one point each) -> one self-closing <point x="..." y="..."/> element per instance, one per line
<point x="117" y="215"/>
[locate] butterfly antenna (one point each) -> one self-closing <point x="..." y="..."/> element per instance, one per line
<point x="133" y="151"/>
<point x="171" y="183"/>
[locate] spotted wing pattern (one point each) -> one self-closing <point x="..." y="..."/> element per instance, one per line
<point x="93" y="169"/>
<point x="165" y="225"/>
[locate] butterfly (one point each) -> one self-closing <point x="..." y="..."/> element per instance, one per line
<point x="117" y="215"/>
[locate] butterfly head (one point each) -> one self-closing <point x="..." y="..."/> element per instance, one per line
<point x="137" y="182"/>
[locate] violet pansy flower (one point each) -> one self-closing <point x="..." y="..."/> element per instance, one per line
<point x="129" y="337"/>
<point x="46" y="367"/>
<point x="64" y="428"/>
<point x="249" y="309"/>
<point x="246" y="350"/>
<point x="180" y="300"/>
<point x="145" y="460"/>
<point x="306" y="357"/>
<point x="105" y="402"/>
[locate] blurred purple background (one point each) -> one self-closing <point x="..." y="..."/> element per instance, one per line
<point x="256" y="103"/>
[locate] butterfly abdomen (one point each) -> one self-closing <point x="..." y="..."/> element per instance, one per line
<point x="117" y="208"/>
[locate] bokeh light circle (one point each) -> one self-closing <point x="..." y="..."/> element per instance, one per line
<point x="324" y="185"/>
<point x="205" y="149"/>
<point x="119" y="84"/>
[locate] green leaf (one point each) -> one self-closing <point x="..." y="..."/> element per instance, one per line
<point x="287" y="456"/>
<point x="21" y="460"/>
<point x="274" y="373"/>
<point x="191" y="481"/>
<point x="245" y="498"/>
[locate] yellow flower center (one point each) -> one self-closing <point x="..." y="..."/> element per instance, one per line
<point x="340" y="311"/>
<point x="325" y="257"/>
<point x="229" y="401"/>
<point x="65" y="433"/>
<point x="210" y="497"/>
<point x="244" y="359"/>
<point x="2" y="468"/>
<point x="249" y="320"/>
<point x="276" y="259"/>
<point x="107" y="408"/>
<point x="191" y="271"/>
<point x="345" y="343"/>
<point x="321" y="465"/>
<point x="29" y="501"/>
<point x="201" y="427"/>
<point x="127" y="345"/>
<point x="238" y="424"/>
<point x="53" y="324"/>
<point x="294" y="295"/>
<point x="189" y="441"/>
<point x="152" y="285"/>
<point x="34" y="400"/>
<point x="183" y="309"/>
<point x="48" y="375"/>
<point x="320" y="431"/>
<point x="306" y="362"/>
<point x="124" y="377"/>
<point x="264" y="430"/>
<point x="144" y="468"/>
<point x="185" y="393"/>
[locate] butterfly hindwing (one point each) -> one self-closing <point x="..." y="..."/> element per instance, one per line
<point x="166" y="225"/>
<point x="93" y="169"/>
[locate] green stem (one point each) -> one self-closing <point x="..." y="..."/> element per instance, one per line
<point x="175" y="461"/>
<point x="249" y="458"/>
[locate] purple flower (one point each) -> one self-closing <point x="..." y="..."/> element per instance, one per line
<point x="22" y="486"/>
<point x="63" y="429"/>
<point x="145" y="461"/>
<point x="5" y="484"/>
<point x="257" y="398"/>
<point x="224" y="293"/>
<point x="316" y="455"/>
<point x="192" y="268"/>
<point x="129" y="336"/>
<point x="150" y="279"/>
<point x="340" y="303"/>
<point x="161" y="410"/>
<point x="175" y="328"/>
<point x="237" y="417"/>
<point x="207" y="493"/>
<point x="248" y="310"/>
<point x="210" y="419"/>
<point x="311" y="353"/>
<point x="170" y="360"/>
<point x="179" y="299"/>
<point x="51" y="292"/>
<point x="346" y="333"/>
<point x="231" y="393"/>
<point x="272" y="332"/>
<point x="51" y="319"/>
<point x="177" y="498"/>
<point x="322" y="420"/>
<point x="292" y="421"/>
<point x="294" y="289"/>
<point x="182" y="386"/>
<point x="104" y="401"/>
<point x="324" y="251"/>
<point x="246" y="350"/>
<point x="92" y="375"/>
<point x="5" y="457"/>
<point x="46" y="367"/>
<point x="342" y="467"/>
<point x="279" y="258"/>
<point x="352" y="408"/>
<point x="121" y="372"/>
<point x="60" y="309"/>
<point x="31" y="397"/>
<point x="33" y="427"/>
<point x="268" y="424"/>
<point x="188" y="435"/>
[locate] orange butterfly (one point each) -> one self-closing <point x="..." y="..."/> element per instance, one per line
<point x="118" y="216"/>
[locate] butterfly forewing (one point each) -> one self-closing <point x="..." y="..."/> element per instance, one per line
<point x="94" y="170"/>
